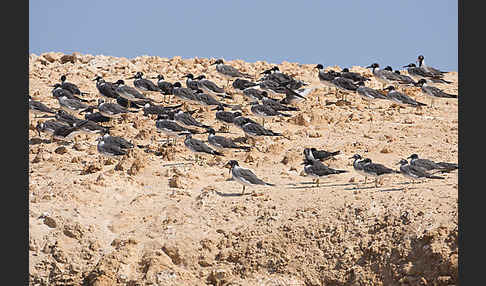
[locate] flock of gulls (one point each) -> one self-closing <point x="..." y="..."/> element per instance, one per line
<point x="118" y="98"/>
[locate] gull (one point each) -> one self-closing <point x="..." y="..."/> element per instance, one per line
<point x="295" y="96"/>
<point x="116" y="140"/>
<point x="57" y="129"/>
<point x="376" y="170"/>
<point x="220" y="142"/>
<point x="228" y="71"/>
<point x="358" y="165"/>
<point x="418" y="73"/>
<point x="401" y="98"/>
<point x="91" y="127"/>
<point x="430" y="165"/>
<point x="96" y="117"/>
<point x="385" y="77"/>
<point x="58" y="92"/>
<point x="433" y="91"/>
<point x="344" y="84"/>
<point x="49" y="127"/>
<point x="109" y="148"/>
<point x="206" y="99"/>
<point x="197" y="146"/>
<point x="245" y="176"/>
<point x="133" y="104"/>
<point x="227" y="117"/>
<point x="66" y="117"/>
<point x="354" y="76"/>
<point x="186" y="120"/>
<point x="415" y="172"/>
<point x="112" y="110"/>
<point x="106" y="89"/>
<point x="263" y="110"/>
<point x="243" y="84"/>
<point x="253" y="94"/>
<point x="276" y="105"/>
<point x="37" y="107"/>
<point x="321" y="155"/>
<point x="129" y="93"/>
<point x="164" y="86"/>
<point x="183" y="93"/>
<point x="316" y="169"/>
<point x="190" y="81"/>
<point x="72" y="106"/>
<point x="143" y="83"/>
<point x="210" y="87"/>
<point x="70" y="86"/>
<point x="434" y="71"/>
<point x="165" y="123"/>
<point x="158" y="109"/>
<point x="403" y="78"/>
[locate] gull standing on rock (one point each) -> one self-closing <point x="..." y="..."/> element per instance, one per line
<point x="210" y="87"/>
<point x="129" y="93"/>
<point x="432" y="91"/>
<point x="37" y="107"/>
<point x="143" y="83"/>
<point x="72" y="106"/>
<point x="111" y="110"/>
<point x="74" y="89"/>
<point x="106" y="89"/>
<point x="401" y="98"/>
<point x="228" y="71"/>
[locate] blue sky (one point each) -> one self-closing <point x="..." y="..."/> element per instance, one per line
<point x="343" y="33"/>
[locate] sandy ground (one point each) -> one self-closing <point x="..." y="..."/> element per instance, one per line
<point x="96" y="221"/>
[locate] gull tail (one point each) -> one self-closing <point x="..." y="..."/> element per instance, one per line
<point x="335" y="153"/>
<point x="439" y="80"/>
<point x="217" y="153"/>
<point x="246" y="148"/>
<point x="434" y="177"/>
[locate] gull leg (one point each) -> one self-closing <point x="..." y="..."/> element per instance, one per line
<point x="243" y="192"/>
<point x="317" y="181"/>
<point x="365" y="179"/>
